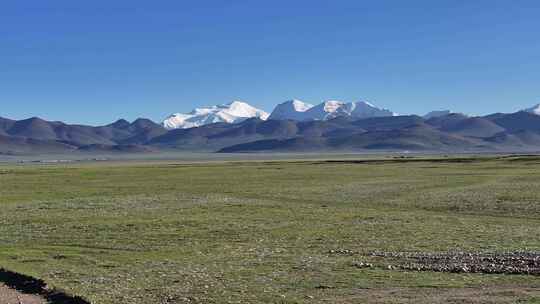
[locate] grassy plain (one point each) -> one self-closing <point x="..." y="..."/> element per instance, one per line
<point x="262" y="232"/>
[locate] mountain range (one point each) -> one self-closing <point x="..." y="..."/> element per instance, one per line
<point x="238" y="111"/>
<point x="292" y="126"/>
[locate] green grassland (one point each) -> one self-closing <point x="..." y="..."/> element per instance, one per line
<point x="261" y="232"/>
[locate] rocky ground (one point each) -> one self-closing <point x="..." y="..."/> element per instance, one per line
<point x="527" y="263"/>
<point x="524" y="263"/>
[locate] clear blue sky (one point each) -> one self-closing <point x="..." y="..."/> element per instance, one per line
<point x="96" y="61"/>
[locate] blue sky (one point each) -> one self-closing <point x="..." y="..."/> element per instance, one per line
<point x="96" y="61"/>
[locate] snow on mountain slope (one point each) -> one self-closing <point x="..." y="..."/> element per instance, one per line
<point x="233" y="112"/>
<point x="328" y="110"/>
<point x="534" y="110"/>
<point x="298" y="110"/>
<point x="365" y="109"/>
<point x="334" y="108"/>
<point x="292" y="109"/>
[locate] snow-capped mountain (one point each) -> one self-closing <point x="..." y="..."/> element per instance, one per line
<point x="233" y="112"/>
<point x="238" y="111"/>
<point x="328" y="110"/>
<point x="292" y="109"/>
<point x="534" y="110"/>
<point x="364" y="109"/>
<point x="298" y="110"/>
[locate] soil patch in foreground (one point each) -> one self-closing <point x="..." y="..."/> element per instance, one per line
<point x="12" y="296"/>
<point x="17" y="288"/>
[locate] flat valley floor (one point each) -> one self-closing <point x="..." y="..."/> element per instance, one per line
<point x="387" y="230"/>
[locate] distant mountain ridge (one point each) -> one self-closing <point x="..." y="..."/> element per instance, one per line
<point x="36" y="134"/>
<point x="331" y="126"/>
<point x="437" y="113"/>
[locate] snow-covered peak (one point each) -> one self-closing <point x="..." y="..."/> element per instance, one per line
<point x="298" y="110"/>
<point x="366" y="103"/>
<point x="534" y="110"/>
<point x="364" y="109"/>
<point x="299" y="105"/>
<point x="242" y="109"/>
<point x="323" y="111"/>
<point x="332" y="106"/>
<point x="331" y="109"/>
<point x="326" y="110"/>
<point x="233" y="112"/>
<point x="292" y="109"/>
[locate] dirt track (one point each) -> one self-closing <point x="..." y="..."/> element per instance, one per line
<point x="10" y="296"/>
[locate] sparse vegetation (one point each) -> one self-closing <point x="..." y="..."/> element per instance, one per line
<point x="272" y="232"/>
